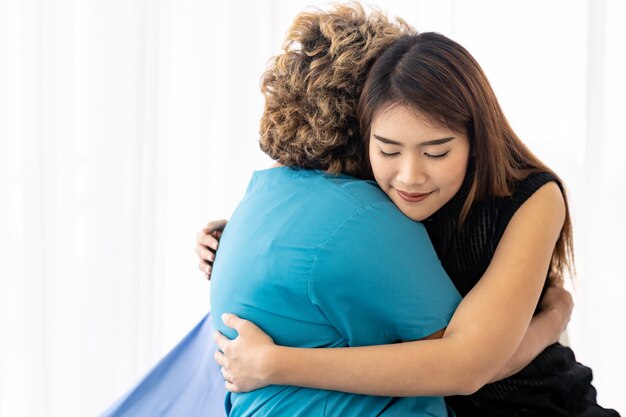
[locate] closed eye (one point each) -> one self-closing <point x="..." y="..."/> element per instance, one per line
<point x="439" y="156"/>
<point x="387" y="155"/>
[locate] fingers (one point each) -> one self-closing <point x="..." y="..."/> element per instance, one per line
<point x="207" y="241"/>
<point x="228" y="377"/>
<point x="206" y="259"/>
<point x="221" y="341"/>
<point x="569" y="299"/>
<point x="565" y="294"/>
<point x="556" y="280"/>
<point x="561" y="300"/>
<point x="556" y="295"/>
<point x="204" y="253"/>
<point x="215" y="226"/>
<point x="220" y="358"/>
<point x="205" y="247"/>
<point x="228" y="380"/>
<point x="231" y="387"/>
<point x="206" y="268"/>
<point x="234" y="322"/>
<point x="203" y="238"/>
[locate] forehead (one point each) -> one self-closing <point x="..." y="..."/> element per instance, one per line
<point x="398" y="118"/>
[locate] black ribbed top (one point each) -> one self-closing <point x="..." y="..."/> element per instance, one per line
<point x="553" y="384"/>
<point x="466" y="253"/>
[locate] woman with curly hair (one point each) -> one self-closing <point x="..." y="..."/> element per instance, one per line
<point x="308" y="224"/>
<point x="438" y="144"/>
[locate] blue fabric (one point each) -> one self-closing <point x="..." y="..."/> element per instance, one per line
<point x="317" y="261"/>
<point x="187" y="382"/>
<point x="324" y="261"/>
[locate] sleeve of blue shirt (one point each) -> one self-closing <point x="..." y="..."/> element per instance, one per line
<point x="377" y="279"/>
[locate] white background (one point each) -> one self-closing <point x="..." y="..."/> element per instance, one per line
<point x="125" y="125"/>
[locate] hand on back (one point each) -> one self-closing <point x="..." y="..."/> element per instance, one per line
<point x="558" y="302"/>
<point x="207" y="241"/>
<point x="246" y="360"/>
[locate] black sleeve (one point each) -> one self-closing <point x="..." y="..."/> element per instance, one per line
<point x="521" y="193"/>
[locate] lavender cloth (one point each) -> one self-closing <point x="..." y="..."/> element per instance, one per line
<point x="186" y="382"/>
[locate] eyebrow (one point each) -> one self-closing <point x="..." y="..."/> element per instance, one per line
<point x="427" y="143"/>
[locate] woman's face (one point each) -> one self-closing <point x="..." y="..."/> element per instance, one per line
<point x="418" y="164"/>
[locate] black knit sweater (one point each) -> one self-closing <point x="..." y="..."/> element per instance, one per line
<point x="553" y="384"/>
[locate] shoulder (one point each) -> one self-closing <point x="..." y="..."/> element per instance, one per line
<point x="334" y="196"/>
<point x="541" y="215"/>
<point x="538" y="191"/>
<point x="373" y="209"/>
<point x="541" y="191"/>
<point x="547" y="201"/>
<point x="361" y="192"/>
<point x="367" y="202"/>
<point x="531" y="184"/>
<point x="378" y="232"/>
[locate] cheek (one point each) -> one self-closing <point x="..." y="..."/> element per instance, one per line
<point x="377" y="169"/>
<point x="372" y="154"/>
<point x="455" y="174"/>
<point x="376" y="163"/>
<point x="382" y="172"/>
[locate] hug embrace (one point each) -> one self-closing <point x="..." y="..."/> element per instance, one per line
<point x="404" y="256"/>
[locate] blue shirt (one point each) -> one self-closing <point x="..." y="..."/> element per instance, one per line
<point x="328" y="261"/>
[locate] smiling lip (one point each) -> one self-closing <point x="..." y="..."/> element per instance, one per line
<point x="413" y="197"/>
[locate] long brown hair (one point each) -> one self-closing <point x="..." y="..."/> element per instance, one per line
<point x="437" y="77"/>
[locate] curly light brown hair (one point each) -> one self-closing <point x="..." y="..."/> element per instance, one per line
<point x="312" y="89"/>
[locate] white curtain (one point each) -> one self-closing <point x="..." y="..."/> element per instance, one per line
<point x="125" y="125"/>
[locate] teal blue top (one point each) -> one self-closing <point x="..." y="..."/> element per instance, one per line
<point x="328" y="261"/>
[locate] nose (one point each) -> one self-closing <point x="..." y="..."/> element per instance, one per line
<point x="412" y="172"/>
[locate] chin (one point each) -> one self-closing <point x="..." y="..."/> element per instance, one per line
<point x="413" y="213"/>
<point x="418" y="217"/>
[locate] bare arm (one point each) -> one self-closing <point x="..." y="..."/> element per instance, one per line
<point x="545" y="329"/>
<point x="482" y="337"/>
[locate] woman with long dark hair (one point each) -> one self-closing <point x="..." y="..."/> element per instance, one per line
<point x="505" y="239"/>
